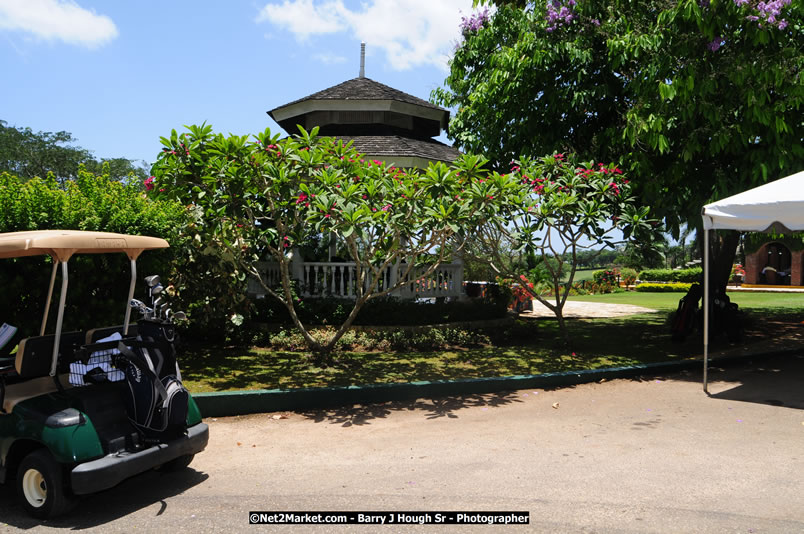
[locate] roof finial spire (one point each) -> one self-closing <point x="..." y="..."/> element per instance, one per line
<point x="362" y="60"/>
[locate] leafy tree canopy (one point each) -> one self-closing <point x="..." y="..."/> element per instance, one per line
<point x="29" y="154"/>
<point x="702" y="98"/>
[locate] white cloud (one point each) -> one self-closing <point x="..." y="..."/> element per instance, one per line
<point x="57" y="20"/>
<point x="410" y="32"/>
<point x="303" y="19"/>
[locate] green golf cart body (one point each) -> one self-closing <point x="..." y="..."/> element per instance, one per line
<point x="59" y="439"/>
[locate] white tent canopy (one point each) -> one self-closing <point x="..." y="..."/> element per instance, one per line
<point x="776" y="206"/>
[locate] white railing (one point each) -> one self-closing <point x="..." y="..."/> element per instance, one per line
<point x="339" y="279"/>
<point x="445" y="281"/>
<point x="271" y="276"/>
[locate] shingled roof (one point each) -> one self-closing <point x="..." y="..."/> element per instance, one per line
<point x="364" y="89"/>
<point x="396" y="146"/>
<point x="382" y="122"/>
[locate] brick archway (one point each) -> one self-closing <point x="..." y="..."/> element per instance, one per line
<point x="774" y="258"/>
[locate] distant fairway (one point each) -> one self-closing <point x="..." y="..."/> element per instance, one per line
<point x="582" y="275"/>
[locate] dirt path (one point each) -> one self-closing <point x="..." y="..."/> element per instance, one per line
<point x="588" y="310"/>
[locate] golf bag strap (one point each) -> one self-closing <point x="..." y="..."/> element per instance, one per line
<point x="140" y="362"/>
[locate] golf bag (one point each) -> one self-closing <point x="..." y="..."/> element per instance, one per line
<point x="157" y="401"/>
<point x="685" y="319"/>
<point x="725" y="318"/>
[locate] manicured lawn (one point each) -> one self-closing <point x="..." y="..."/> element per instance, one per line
<point x="773" y="303"/>
<point x="255" y="368"/>
<point x="595" y="343"/>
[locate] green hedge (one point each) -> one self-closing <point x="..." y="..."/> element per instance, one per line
<point x="673" y="287"/>
<point x="98" y="283"/>
<point x="669" y="275"/>
<point x="382" y="311"/>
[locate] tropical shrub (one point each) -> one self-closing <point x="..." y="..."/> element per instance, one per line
<point x="672" y="287"/>
<point x="628" y="276"/>
<point x="387" y="311"/>
<point x="384" y="340"/>
<point x="690" y="275"/>
<point x="606" y="276"/>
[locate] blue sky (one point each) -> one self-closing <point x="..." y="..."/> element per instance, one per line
<point x="118" y="75"/>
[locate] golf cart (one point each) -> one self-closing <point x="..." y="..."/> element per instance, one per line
<point x="82" y="411"/>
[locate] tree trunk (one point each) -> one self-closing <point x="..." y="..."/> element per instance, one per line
<point x="722" y="249"/>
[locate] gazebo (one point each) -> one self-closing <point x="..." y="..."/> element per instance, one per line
<point x="384" y="124"/>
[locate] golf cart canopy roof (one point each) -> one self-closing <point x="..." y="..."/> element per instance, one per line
<point x="62" y="244"/>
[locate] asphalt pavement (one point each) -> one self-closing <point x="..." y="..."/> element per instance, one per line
<point x="652" y="454"/>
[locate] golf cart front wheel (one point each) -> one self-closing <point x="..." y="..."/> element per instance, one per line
<point x="40" y="484"/>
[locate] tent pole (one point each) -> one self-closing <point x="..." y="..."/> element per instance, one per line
<point x="706" y="311"/>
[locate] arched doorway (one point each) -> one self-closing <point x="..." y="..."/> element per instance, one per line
<point x="778" y="262"/>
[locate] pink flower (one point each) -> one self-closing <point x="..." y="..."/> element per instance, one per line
<point x="386" y="207"/>
<point x="149" y="183"/>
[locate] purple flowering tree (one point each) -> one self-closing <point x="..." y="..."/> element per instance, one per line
<point x="703" y="98"/>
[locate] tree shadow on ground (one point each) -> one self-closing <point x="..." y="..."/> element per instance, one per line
<point x="432" y="408"/>
<point x="596" y="343"/>
<point x="96" y="510"/>
<point x="772" y="380"/>
<point x="775" y="379"/>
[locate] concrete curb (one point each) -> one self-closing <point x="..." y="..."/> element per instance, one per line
<point x="275" y="400"/>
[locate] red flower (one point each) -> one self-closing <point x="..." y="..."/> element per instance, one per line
<point x="149" y="183"/>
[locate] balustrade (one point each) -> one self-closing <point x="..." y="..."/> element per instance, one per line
<point x="339" y="279"/>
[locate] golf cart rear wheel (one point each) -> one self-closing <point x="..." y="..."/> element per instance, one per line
<point x="40" y="484"/>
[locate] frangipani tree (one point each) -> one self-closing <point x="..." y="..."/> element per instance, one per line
<point x="562" y="206"/>
<point x="260" y="197"/>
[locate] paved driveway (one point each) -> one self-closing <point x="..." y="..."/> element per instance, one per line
<point x="648" y="455"/>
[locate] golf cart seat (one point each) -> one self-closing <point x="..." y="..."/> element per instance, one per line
<point x="32" y="366"/>
<point x="16" y="393"/>
<point x="34" y="354"/>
